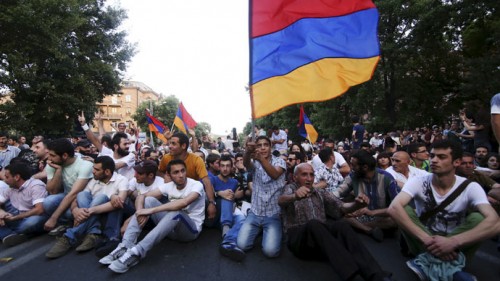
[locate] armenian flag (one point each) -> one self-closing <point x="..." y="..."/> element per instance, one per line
<point x="183" y="120"/>
<point x="306" y="129"/>
<point x="309" y="50"/>
<point x="156" y="126"/>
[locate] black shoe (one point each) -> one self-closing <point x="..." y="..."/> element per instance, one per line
<point x="105" y="248"/>
<point x="232" y="251"/>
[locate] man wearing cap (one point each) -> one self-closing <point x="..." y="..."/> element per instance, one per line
<point x="144" y="180"/>
<point x="181" y="218"/>
<point x="103" y="194"/>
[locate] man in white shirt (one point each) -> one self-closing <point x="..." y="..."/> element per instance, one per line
<point x="279" y="140"/>
<point x="401" y="169"/>
<point x="450" y="231"/>
<point x="179" y="219"/>
<point x="98" y="197"/>
<point x="340" y="162"/>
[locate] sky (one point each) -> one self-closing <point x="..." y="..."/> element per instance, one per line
<point x="196" y="50"/>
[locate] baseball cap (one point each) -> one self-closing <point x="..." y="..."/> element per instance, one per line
<point x="146" y="167"/>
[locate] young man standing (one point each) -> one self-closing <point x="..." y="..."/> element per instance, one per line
<point x="179" y="219"/>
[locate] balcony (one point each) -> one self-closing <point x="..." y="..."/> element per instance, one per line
<point x="112" y="116"/>
<point x="109" y="103"/>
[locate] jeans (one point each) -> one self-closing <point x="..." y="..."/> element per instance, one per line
<point x="176" y="225"/>
<point x="231" y="236"/>
<point x="226" y="211"/>
<point x="114" y="220"/>
<point x="50" y="205"/>
<point x="29" y="225"/>
<point x="271" y="228"/>
<point x="92" y="225"/>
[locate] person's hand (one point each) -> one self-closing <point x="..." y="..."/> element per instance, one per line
<point x="53" y="165"/>
<point x="142" y="220"/>
<point x="250" y="147"/>
<point x="80" y="214"/>
<point x="81" y="119"/>
<point x="361" y="201"/>
<point x="191" y="132"/>
<point x="10" y="217"/>
<point x="302" y="192"/>
<point x="443" y="247"/>
<point x="211" y="211"/>
<point x="50" y="224"/>
<point x="116" y="202"/>
<point x="167" y="133"/>
<point x="227" y="194"/>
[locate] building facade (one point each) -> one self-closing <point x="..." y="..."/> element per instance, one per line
<point x="120" y="107"/>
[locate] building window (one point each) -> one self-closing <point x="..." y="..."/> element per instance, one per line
<point x="113" y="110"/>
<point x="114" y="100"/>
<point x="128" y="98"/>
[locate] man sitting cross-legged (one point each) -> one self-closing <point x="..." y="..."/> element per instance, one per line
<point x="93" y="200"/>
<point x="311" y="236"/>
<point x="179" y="219"/>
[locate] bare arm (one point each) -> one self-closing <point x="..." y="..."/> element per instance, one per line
<point x="495" y="125"/>
<point x="170" y="206"/>
<point x="108" y="206"/>
<point x="397" y="212"/>
<point x="37" y="210"/>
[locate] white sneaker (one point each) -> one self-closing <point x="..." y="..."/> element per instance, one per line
<point x="125" y="262"/>
<point x="114" y="255"/>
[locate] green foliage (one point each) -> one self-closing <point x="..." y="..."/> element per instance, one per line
<point x="435" y="55"/>
<point x="57" y="58"/>
<point x="164" y="110"/>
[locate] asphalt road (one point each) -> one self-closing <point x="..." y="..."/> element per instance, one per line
<point x="200" y="260"/>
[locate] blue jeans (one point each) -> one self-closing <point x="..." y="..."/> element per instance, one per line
<point x="114" y="220"/>
<point x="50" y="205"/>
<point x="29" y="225"/>
<point x="92" y="225"/>
<point x="231" y="236"/>
<point x="226" y="211"/>
<point x="176" y="225"/>
<point x="271" y="229"/>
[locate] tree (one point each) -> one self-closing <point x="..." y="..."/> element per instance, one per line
<point x="163" y="110"/>
<point x="57" y="58"/>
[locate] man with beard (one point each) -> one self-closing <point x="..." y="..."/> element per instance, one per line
<point x="312" y="236"/>
<point x="42" y="154"/>
<point x="448" y="233"/>
<point x="379" y="186"/>
<point x="67" y="175"/>
<point x="101" y="196"/>
<point x="118" y="150"/>
<point x="293" y="159"/>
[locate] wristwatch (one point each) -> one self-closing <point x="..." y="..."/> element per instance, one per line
<point x="212" y="202"/>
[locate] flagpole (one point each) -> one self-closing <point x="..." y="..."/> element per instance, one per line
<point x="151" y="133"/>
<point x="250" y="72"/>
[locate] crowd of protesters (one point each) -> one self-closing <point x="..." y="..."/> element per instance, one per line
<point x="101" y="192"/>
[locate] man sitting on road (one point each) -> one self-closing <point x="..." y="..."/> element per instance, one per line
<point x="444" y="233"/>
<point x="22" y="212"/>
<point x="179" y="219"/>
<point x="99" y="197"/>
<point x="379" y="186"/>
<point x="67" y="175"/>
<point x="311" y="236"/>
